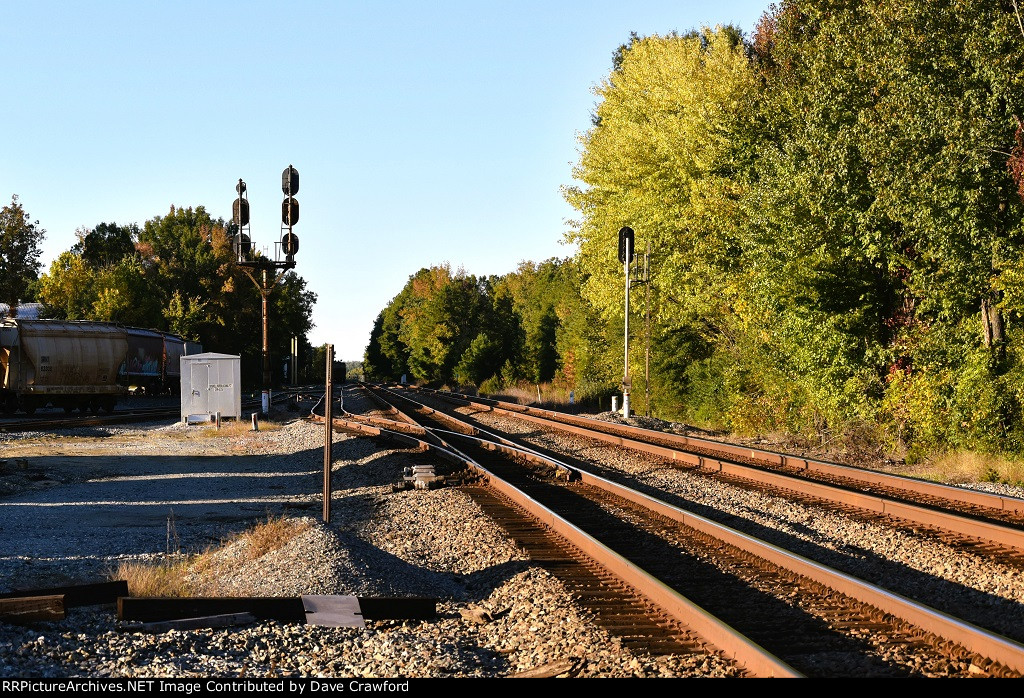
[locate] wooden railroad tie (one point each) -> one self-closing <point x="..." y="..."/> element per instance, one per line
<point x="32" y="608"/>
<point x="77" y="595"/>
<point x="329" y="610"/>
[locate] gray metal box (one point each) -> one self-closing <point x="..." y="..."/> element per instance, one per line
<point x="210" y="383"/>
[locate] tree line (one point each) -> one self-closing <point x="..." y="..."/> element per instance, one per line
<point x="176" y="273"/>
<point x="530" y="326"/>
<point x="833" y="211"/>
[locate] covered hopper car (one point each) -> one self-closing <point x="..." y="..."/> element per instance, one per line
<point x="84" y="365"/>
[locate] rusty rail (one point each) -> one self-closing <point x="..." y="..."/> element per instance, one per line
<point x="985" y="530"/>
<point x="745" y="652"/>
<point x="969" y="636"/>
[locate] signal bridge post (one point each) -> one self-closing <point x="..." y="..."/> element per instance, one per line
<point x="268" y="269"/>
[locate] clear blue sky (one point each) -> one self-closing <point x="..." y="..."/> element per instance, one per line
<point x="423" y="132"/>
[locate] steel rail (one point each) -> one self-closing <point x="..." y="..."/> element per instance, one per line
<point x="494" y="440"/>
<point x="973" y="638"/>
<point x="867" y="477"/>
<point x="714" y="631"/>
<point x="985" y="530"/>
<point x="44" y="423"/>
<point x="140" y="414"/>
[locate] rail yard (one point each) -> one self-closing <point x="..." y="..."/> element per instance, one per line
<point x="634" y="553"/>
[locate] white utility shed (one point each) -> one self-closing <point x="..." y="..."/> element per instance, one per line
<point x="210" y="383"/>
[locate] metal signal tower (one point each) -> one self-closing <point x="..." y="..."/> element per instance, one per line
<point x="251" y="262"/>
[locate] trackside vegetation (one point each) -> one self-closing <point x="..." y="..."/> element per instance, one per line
<point x="176" y="272"/>
<point x="833" y="210"/>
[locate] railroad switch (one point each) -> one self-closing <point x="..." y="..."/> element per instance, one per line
<point x="422" y="477"/>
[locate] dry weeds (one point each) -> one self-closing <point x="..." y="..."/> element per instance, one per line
<point x="235" y="428"/>
<point x="968" y="467"/>
<point x="194" y="575"/>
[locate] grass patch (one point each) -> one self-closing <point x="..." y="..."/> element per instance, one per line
<point x="171" y="578"/>
<point x="198" y="575"/>
<point x="969" y="467"/>
<point x="553" y="396"/>
<point x="268" y="537"/>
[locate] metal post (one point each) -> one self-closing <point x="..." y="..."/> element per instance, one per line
<point x="625" y="374"/>
<point x="328" y="437"/>
<point x="266" y="347"/>
<point x="647" y="334"/>
<point x="290" y="213"/>
<point x="295" y="361"/>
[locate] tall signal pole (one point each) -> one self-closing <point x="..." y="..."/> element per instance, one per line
<point x="647" y="334"/>
<point x="244" y="257"/>
<point x="626" y="253"/>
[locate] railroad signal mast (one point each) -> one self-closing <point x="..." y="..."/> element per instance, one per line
<point x="626" y="253"/>
<point x="271" y="270"/>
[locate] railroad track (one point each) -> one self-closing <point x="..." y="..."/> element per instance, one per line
<point x="959" y="574"/>
<point x="776" y="613"/>
<point x="48" y="422"/>
<point x="44" y="422"/>
<point x="989" y="524"/>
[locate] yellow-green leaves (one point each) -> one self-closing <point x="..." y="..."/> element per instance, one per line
<point x="662" y="160"/>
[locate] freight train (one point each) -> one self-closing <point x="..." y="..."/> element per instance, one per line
<point x="84" y="365"/>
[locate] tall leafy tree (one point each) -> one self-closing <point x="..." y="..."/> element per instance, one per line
<point x="106" y="244"/>
<point x="387" y="337"/>
<point x="376" y="364"/>
<point x="661" y="158"/>
<point x="124" y="294"/>
<point x="439" y="321"/>
<point x="67" y="290"/>
<point x="666" y="157"/>
<point x="20" y="240"/>
<point x="184" y="252"/>
<point x="884" y="210"/>
<point x="497" y="349"/>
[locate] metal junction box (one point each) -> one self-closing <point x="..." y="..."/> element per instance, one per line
<point x="210" y="383"/>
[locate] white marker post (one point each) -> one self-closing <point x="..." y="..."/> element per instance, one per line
<point x="626" y="256"/>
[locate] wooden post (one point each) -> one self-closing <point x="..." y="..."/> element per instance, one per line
<point x="328" y="437"/>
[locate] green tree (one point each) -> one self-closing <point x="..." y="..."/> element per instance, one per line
<point x="497" y="349"/>
<point x="439" y="321"/>
<point x="883" y="209"/>
<point x="668" y="156"/>
<point x="185" y="252"/>
<point x="200" y="291"/>
<point x="19" y="253"/>
<point x="67" y="291"/>
<point x="106" y="244"/>
<point x="377" y="364"/>
<point x="124" y="294"/>
<point x="662" y="159"/>
<point x="291" y="307"/>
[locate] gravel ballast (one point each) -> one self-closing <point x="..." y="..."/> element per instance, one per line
<point x="912" y="563"/>
<point x="76" y="505"/>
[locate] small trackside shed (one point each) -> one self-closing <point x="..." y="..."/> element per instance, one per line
<point x="210" y="383"/>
